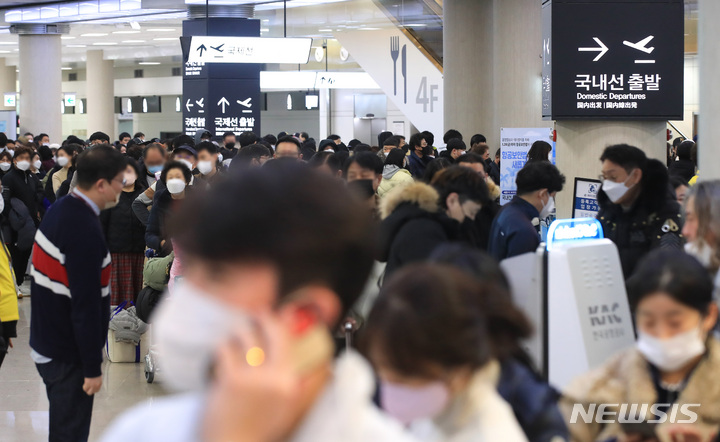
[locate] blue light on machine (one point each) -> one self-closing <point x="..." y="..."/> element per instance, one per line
<point x="578" y="229"/>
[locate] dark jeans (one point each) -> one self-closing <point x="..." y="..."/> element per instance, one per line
<point x="20" y="259"/>
<point x="70" y="407"/>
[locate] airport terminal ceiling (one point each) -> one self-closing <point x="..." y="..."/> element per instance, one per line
<point x="133" y="31"/>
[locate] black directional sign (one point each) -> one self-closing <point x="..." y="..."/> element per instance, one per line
<point x="610" y="59"/>
<point x="220" y="97"/>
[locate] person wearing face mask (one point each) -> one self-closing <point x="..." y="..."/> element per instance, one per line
<point x="22" y="193"/>
<point x="701" y="228"/>
<point x="534" y="402"/>
<point x="394" y="172"/>
<point x="187" y="155"/>
<point x="363" y="173"/>
<point x="675" y="361"/>
<point x="514" y="230"/>
<point x="417" y="218"/>
<point x="176" y="179"/>
<point x="153" y="160"/>
<point x="229" y="149"/>
<point x="64" y="160"/>
<point x="70" y="293"/>
<point x="419" y="155"/>
<point x="36" y="166"/>
<point x="9" y="314"/>
<point x="125" y="237"/>
<point x="208" y="163"/>
<point x="638" y="210"/>
<point x="388" y="145"/>
<point x="6" y="161"/>
<point x="258" y="365"/>
<point x="428" y="340"/>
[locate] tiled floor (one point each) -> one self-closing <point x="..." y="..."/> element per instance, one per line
<point x="23" y="403"/>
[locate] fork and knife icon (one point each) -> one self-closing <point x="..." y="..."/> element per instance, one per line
<point x="395" y="52"/>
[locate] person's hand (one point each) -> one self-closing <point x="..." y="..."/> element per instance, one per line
<point x="10" y="343"/>
<point x="92" y="385"/>
<point x="253" y="403"/>
<point x="162" y="243"/>
<point x="687" y="433"/>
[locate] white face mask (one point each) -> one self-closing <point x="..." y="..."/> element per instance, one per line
<point x="62" y="161"/>
<point x="672" y="353"/>
<point x="615" y="191"/>
<point x="548" y="208"/>
<point x="205" y="167"/>
<point x="701" y="250"/>
<point x="11" y="152"/>
<point x="5" y="166"/>
<point x="175" y="186"/>
<point x="187" y="163"/>
<point x="23" y="165"/>
<point x="37" y="164"/>
<point x="188" y="328"/>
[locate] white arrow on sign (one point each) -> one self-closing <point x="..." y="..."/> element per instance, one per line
<point x="602" y="49"/>
<point x="223" y="102"/>
<point x="188" y="105"/>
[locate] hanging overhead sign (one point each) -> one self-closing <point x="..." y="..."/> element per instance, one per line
<point x="249" y="50"/>
<point x="606" y="59"/>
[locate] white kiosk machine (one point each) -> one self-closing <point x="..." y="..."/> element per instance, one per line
<point x="574" y="292"/>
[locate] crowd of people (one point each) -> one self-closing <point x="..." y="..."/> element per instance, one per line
<point x="276" y="244"/>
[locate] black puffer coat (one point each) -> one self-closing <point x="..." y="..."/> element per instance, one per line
<point x="653" y="222"/>
<point x="124" y="232"/>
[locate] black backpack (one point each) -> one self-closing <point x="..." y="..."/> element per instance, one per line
<point x="147" y="300"/>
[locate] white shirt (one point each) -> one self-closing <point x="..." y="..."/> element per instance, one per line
<point x="343" y="413"/>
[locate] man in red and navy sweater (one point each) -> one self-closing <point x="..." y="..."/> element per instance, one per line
<point x="70" y="293"/>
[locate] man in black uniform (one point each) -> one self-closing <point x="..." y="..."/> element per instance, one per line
<point x="638" y="210"/>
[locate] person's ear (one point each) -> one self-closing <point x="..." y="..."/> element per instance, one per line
<point x="543" y="194"/>
<point x="309" y="307"/>
<point x="452" y="200"/>
<point x="708" y="322"/>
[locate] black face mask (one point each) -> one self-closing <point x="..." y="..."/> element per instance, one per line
<point x="362" y="188"/>
<point x="230" y="146"/>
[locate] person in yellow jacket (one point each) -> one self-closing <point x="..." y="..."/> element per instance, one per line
<point x="8" y="301"/>
<point x="394" y="173"/>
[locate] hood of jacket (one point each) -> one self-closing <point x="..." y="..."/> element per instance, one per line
<point x="422" y="195"/>
<point x="389" y="171"/>
<point x="407" y="203"/>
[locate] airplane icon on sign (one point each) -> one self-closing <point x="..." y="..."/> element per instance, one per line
<point x="641" y="45"/>
<point x="218" y="48"/>
<point x="245" y="103"/>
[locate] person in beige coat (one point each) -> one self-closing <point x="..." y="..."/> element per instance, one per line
<point x="394" y="173"/>
<point x="674" y="367"/>
<point x="428" y="339"/>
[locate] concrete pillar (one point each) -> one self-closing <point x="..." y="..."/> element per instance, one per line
<point x="492" y="66"/>
<point x="709" y="61"/>
<point x="467" y="68"/>
<point x="100" y="92"/>
<point x="324" y="111"/>
<point x="41" y="85"/>
<point x="8" y="83"/>
<point x="580" y="144"/>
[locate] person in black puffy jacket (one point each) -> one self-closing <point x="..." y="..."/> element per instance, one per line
<point x="684" y="167"/>
<point x="638" y="210"/>
<point x="125" y="236"/>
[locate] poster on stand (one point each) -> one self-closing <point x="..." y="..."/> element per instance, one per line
<point x="514" y="146"/>
<point x="585" y="203"/>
